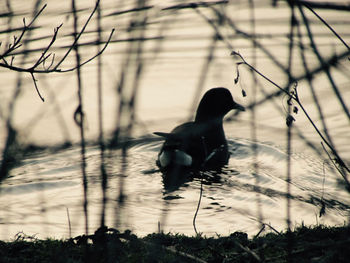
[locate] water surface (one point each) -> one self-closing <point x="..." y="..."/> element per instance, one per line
<point x="180" y="58"/>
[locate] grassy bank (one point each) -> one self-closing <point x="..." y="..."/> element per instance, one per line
<point x="318" y="244"/>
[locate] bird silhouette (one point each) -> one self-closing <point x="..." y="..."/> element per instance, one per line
<point x="200" y="144"/>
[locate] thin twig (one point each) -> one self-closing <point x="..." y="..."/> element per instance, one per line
<point x="99" y="53"/>
<point x="274" y="229"/>
<point x="55" y="69"/>
<point x="17" y="40"/>
<point x="260" y="231"/>
<point x="52" y="61"/>
<point x="307" y="5"/>
<point x="342" y="174"/>
<point x="198" y="205"/>
<point x="69" y="224"/>
<point x="234" y="53"/>
<point x="36" y="87"/>
<point x="44" y="56"/>
<point x="325" y="5"/>
<point x="333" y="61"/>
<point x="77" y="37"/>
<point x="295" y="97"/>
<point x="310" y="81"/>
<point x="322" y="62"/>
<point x="238" y="31"/>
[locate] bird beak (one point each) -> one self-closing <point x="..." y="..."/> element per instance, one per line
<point x="239" y="107"/>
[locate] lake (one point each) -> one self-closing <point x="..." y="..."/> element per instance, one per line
<point x="160" y="60"/>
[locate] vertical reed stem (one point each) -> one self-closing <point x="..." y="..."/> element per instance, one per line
<point x="100" y="121"/>
<point x="80" y="111"/>
<point x="253" y="127"/>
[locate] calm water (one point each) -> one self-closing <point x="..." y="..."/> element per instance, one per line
<point x="179" y="59"/>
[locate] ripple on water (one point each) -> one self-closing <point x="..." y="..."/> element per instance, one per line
<point x="44" y="187"/>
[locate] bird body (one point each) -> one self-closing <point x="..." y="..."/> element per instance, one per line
<point x="200" y="144"/>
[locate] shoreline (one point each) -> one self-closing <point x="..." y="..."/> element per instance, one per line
<point x="304" y="244"/>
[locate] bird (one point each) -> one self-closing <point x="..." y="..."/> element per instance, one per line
<point x="200" y="144"/>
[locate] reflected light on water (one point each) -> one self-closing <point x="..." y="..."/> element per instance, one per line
<point x="168" y="56"/>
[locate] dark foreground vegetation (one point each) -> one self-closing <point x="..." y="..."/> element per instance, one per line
<point x="304" y="244"/>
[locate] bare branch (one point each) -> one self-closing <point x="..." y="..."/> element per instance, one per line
<point x="77" y="38"/>
<point x="17" y="40"/>
<point x="99" y="53"/>
<point x="41" y="59"/>
<point x="234" y="53"/>
<point x="44" y="56"/>
<point x="307" y="5"/>
<point x="294" y="96"/>
<point x="322" y="5"/>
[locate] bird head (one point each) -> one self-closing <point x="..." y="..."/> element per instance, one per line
<point x="215" y="104"/>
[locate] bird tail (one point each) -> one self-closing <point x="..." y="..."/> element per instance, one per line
<point x="171" y="157"/>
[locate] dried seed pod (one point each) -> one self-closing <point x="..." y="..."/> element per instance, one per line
<point x="295" y="109"/>
<point x="289" y="120"/>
